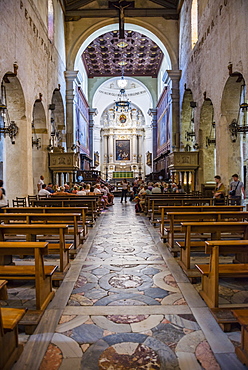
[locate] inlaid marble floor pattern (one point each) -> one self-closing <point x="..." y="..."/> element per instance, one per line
<point x="126" y="310"/>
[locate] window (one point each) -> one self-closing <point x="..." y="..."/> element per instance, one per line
<point x="50" y="20"/>
<point x="194" y="22"/>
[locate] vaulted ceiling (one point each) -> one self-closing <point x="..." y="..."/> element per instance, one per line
<point x="134" y="55"/>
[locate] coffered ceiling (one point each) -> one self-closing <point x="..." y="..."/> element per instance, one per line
<point x="135" y="55"/>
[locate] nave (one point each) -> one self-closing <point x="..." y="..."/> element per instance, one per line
<point x="126" y="304"/>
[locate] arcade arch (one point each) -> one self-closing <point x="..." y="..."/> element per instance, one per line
<point x="135" y="129"/>
<point x="235" y="154"/>
<point x="39" y="153"/>
<point x="207" y="149"/>
<point x="17" y="173"/>
<point x="187" y="122"/>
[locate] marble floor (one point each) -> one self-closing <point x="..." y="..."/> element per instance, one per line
<point x="125" y="304"/>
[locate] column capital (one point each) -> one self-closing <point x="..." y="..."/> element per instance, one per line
<point x="173" y="74"/>
<point x="70" y="75"/>
<point x="93" y="111"/>
<point x="152" y="111"/>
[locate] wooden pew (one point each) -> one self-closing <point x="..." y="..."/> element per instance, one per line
<point x="32" y="233"/>
<point x="176" y="218"/>
<point x="62" y="210"/>
<point x="40" y="273"/>
<point x="217" y="231"/>
<point x="10" y="349"/>
<point x="154" y="213"/>
<point x="210" y="273"/>
<point x="90" y="203"/>
<point x="242" y="352"/>
<point x="172" y="196"/>
<point x="48" y="218"/>
<point x="182" y="209"/>
<point x="3" y="290"/>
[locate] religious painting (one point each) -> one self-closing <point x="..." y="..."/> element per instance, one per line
<point x="82" y="128"/>
<point x="163" y="122"/>
<point x="123" y="150"/>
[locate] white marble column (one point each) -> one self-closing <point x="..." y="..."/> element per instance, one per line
<point x="105" y="148"/>
<point x="92" y="112"/>
<point x="135" y="158"/>
<point x="111" y="148"/>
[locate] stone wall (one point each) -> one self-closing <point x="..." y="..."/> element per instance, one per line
<point x="41" y="66"/>
<point x="222" y="42"/>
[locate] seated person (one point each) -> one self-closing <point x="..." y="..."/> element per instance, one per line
<point x="43" y="191"/>
<point x="61" y="191"/>
<point x="50" y="188"/>
<point x="156" y="189"/>
<point x="81" y="191"/>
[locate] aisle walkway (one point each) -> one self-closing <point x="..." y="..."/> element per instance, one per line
<point x="126" y="309"/>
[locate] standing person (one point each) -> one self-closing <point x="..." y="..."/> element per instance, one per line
<point x="124" y="190"/>
<point x="219" y="191"/>
<point x="3" y="199"/>
<point x="40" y="183"/>
<point x="236" y="190"/>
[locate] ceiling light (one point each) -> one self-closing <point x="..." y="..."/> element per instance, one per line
<point x="122" y="83"/>
<point x="122" y="63"/>
<point x="122" y="44"/>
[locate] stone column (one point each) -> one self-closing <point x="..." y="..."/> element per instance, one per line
<point x="92" y="112"/>
<point x="172" y="78"/>
<point x="135" y="154"/>
<point x="111" y="148"/>
<point x="105" y="148"/>
<point x="153" y="114"/>
<point x="70" y="77"/>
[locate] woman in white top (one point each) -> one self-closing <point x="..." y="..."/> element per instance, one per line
<point x="124" y="190"/>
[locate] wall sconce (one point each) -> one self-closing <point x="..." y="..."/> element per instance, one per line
<point x="36" y="142"/>
<point x="50" y="147"/>
<point x="235" y="127"/>
<point x="190" y="134"/>
<point x="11" y="128"/>
<point x="211" y="138"/>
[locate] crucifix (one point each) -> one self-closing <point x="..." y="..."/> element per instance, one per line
<point x="122" y="5"/>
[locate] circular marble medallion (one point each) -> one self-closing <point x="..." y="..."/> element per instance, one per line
<point x="125" y="281"/>
<point x="129" y="356"/>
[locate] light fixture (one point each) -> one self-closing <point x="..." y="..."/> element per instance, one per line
<point x="122" y="44"/>
<point x="122" y="83"/>
<point x="211" y="138"/>
<point x="11" y="128"/>
<point x="235" y="127"/>
<point x="123" y="104"/>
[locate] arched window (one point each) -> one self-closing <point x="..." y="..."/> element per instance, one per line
<point x="194" y="22"/>
<point x="50" y="20"/>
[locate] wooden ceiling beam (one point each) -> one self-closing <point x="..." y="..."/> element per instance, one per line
<point x="166" y="3"/>
<point x="112" y="13"/>
<point x="77" y="4"/>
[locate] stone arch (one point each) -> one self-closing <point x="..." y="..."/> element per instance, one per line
<point x="206" y="172"/>
<point x="107" y="25"/>
<point x="233" y="160"/>
<point x="186" y="117"/>
<point x="57" y="119"/>
<point x="17" y="173"/>
<point x="39" y="131"/>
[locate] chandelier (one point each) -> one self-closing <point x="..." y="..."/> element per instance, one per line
<point x="122" y="104"/>
<point x="10" y="128"/>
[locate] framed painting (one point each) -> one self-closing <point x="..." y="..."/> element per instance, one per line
<point x="123" y="150"/>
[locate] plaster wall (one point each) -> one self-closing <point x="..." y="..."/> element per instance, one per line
<point x="222" y="29"/>
<point x="41" y="66"/>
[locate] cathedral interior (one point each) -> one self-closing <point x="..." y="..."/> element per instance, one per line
<point x="152" y="91"/>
